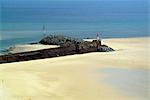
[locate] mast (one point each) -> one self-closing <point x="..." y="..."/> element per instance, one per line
<point x="44" y="30"/>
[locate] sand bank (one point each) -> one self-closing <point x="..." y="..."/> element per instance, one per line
<point x="29" y="47"/>
<point x="119" y="75"/>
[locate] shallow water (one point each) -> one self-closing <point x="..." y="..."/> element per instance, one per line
<point x="130" y="82"/>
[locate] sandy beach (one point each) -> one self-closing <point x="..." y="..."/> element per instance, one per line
<point x="119" y="75"/>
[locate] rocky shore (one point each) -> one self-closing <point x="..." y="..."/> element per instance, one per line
<point x="68" y="46"/>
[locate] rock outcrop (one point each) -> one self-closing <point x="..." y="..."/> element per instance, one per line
<point x="67" y="47"/>
<point x="58" y="40"/>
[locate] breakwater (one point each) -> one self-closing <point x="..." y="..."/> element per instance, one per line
<point x="67" y="49"/>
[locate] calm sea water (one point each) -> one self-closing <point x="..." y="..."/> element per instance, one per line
<point x="22" y="20"/>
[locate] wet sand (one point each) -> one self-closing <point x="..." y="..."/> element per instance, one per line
<point x="119" y="75"/>
<point x="29" y="47"/>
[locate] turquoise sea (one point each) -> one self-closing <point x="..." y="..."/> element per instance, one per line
<point x="22" y="20"/>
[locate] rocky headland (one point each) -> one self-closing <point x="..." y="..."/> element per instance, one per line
<point x="68" y="46"/>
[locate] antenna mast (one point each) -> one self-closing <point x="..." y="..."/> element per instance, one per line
<point x="44" y="30"/>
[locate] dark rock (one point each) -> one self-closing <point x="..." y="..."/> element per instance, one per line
<point x="34" y="43"/>
<point x="105" y="48"/>
<point x="58" y="40"/>
<point x="69" y="46"/>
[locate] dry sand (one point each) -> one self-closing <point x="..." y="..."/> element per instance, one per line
<point x="119" y="75"/>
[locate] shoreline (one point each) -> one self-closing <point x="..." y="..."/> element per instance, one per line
<point x="6" y="50"/>
<point x="29" y="47"/>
